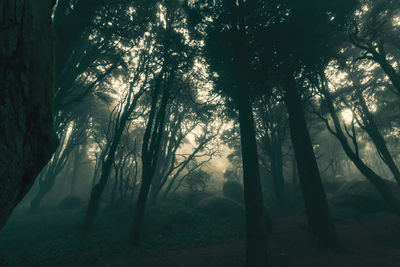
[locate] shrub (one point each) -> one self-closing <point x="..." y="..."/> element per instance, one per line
<point x="233" y="190"/>
<point x="221" y="207"/>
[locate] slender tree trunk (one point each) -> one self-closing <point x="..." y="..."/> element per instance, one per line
<point x="45" y="188"/>
<point x="294" y="174"/>
<point x="108" y="160"/>
<point x="277" y="173"/>
<point x="45" y="184"/>
<point x="375" y="179"/>
<point x="156" y="182"/>
<point x="141" y="206"/>
<point x="75" y="171"/>
<point x="98" y="189"/>
<point x="114" y="191"/>
<point x="372" y="129"/>
<point x="317" y="209"/>
<point x="27" y="140"/>
<point x="150" y="154"/>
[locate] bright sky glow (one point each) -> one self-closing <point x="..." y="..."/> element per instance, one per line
<point x="347" y="115"/>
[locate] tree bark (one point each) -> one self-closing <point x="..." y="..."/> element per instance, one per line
<point x="140" y="207"/>
<point x="317" y="209"/>
<point x="256" y="236"/>
<point x="27" y="140"/>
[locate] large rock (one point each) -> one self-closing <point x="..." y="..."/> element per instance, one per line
<point x="221" y="207"/>
<point x="361" y="196"/>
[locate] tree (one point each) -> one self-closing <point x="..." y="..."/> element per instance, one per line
<point x="375" y="35"/>
<point x="27" y="79"/>
<point x="271" y="118"/>
<point x="175" y="54"/>
<point x="71" y="136"/>
<point x="232" y="59"/>
<point x="353" y="153"/>
<point x="302" y="43"/>
<point x="118" y="122"/>
<point x="186" y="119"/>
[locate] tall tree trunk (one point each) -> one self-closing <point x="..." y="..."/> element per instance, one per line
<point x="97" y="190"/>
<point x="107" y="160"/>
<point x="256" y="236"/>
<point x="27" y="140"/>
<point x="317" y="209"/>
<point x="150" y="154"/>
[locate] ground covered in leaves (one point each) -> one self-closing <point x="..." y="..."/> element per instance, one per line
<point x="182" y="236"/>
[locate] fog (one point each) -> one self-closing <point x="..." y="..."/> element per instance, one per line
<point x="200" y="133"/>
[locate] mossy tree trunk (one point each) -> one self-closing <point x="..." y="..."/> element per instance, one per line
<point x="27" y="140"/>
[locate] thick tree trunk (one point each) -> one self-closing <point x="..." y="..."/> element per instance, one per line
<point x="257" y="254"/>
<point x="27" y="140"/>
<point x="317" y="209"/>
<point x="256" y="237"/>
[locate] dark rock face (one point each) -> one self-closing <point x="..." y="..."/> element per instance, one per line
<point x="27" y="140"/>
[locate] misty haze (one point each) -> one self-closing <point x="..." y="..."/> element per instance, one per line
<point x="200" y="133"/>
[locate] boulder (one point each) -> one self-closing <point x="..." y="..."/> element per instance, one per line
<point x="361" y="196"/>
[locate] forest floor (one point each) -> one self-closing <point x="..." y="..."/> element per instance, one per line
<point x="373" y="241"/>
<point x="192" y="239"/>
